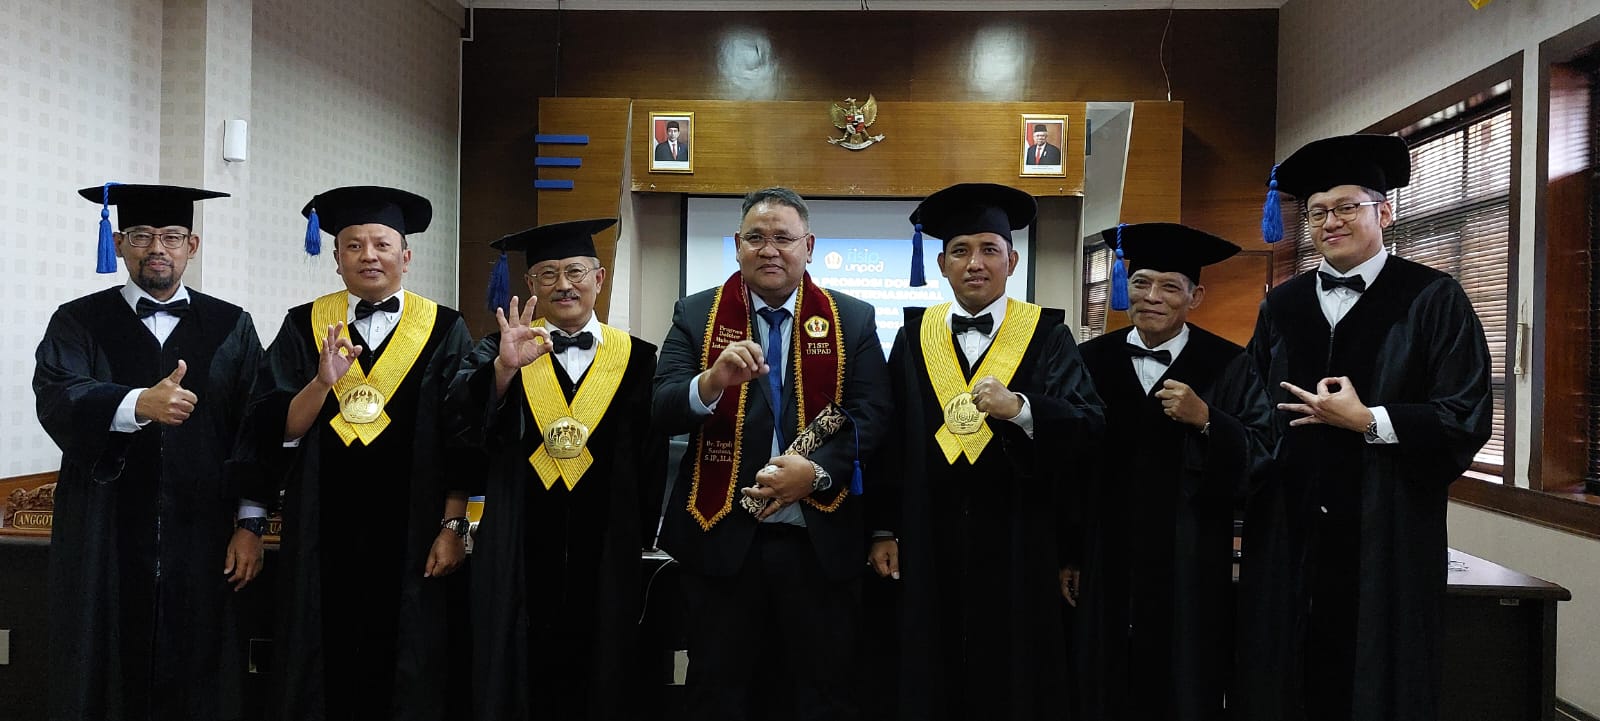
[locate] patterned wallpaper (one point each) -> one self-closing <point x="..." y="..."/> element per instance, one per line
<point x="94" y="90"/>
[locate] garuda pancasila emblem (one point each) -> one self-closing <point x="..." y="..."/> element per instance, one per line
<point x="854" y="120"/>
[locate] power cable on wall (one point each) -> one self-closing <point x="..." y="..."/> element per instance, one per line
<point x="1163" y="51"/>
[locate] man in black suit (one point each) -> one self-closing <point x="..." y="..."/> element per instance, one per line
<point x="673" y="150"/>
<point x="1041" y="152"/>
<point x="745" y="367"/>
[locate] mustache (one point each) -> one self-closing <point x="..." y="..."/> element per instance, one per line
<point x="563" y="295"/>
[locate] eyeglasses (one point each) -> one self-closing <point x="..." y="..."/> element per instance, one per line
<point x="1347" y="211"/>
<point x="756" y="241"/>
<point x="573" y="273"/>
<point x="170" y="241"/>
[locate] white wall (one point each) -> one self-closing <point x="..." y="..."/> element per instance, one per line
<point x="355" y="92"/>
<point x="1343" y="66"/>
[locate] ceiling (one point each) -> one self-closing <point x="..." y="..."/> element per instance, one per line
<point x="935" y="5"/>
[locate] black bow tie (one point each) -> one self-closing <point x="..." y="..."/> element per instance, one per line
<point x="146" y="307"/>
<point x="560" y="342"/>
<point x="1164" y="357"/>
<point x="365" y="310"/>
<point x="1354" y="282"/>
<point x="983" y="324"/>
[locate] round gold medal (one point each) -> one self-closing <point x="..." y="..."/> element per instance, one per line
<point x="961" y="416"/>
<point x="565" y="438"/>
<point x="362" y="404"/>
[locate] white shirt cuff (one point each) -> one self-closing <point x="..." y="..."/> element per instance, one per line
<point x="250" y="509"/>
<point x="125" y="420"/>
<point x="695" y="405"/>
<point x="1385" y="426"/>
<point x="292" y="444"/>
<point x="1024" y="417"/>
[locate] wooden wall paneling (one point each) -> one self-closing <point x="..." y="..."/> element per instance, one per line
<point x="505" y="69"/>
<point x="1234" y="289"/>
<point x="740" y="146"/>
<point x="1152" y="185"/>
<point x="1560" y="402"/>
<point x="597" y="184"/>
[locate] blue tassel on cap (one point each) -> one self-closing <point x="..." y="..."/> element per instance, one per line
<point x="313" y="234"/>
<point x="106" y="254"/>
<point x="1119" y="276"/>
<point x="499" y="292"/>
<point x="918" y="278"/>
<point x="1272" y="212"/>
<point x="855" y="474"/>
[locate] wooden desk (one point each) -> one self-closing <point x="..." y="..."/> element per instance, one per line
<point x="1499" y="643"/>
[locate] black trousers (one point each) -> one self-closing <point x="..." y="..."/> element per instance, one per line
<point x="777" y="640"/>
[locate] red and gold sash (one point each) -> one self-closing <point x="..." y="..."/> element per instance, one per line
<point x="817" y="354"/>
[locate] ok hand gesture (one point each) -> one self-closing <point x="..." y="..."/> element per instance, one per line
<point x="520" y="343"/>
<point x="337" y="355"/>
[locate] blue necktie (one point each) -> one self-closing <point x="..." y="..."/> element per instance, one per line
<point x="774" y="348"/>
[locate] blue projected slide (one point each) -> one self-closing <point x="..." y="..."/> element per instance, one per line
<point x="863" y="249"/>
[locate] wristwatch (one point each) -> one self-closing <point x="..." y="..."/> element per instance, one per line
<point x="458" y="525"/>
<point x="1372" y="431"/>
<point x="256" y="525"/>
<point x="821" y="479"/>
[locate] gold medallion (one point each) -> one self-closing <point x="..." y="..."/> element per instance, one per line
<point x="816" y="326"/>
<point x="363" y="404"/>
<point x="565" y="438"/>
<point x="962" y="417"/>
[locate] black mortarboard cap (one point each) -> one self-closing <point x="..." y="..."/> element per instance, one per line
<point x="551" y="241"/>
<point x="339" y="208"/>
<point x="1379" y="162"/>
<point x="1169" y="248"/>
<point x="555" y="240"/>
<point x="157" y="206"/>
<point x="966" y="209"/>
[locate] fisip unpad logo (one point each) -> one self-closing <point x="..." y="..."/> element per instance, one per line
<point x="833" y="260"/>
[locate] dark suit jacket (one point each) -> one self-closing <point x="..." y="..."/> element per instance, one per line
<point x="664" y="151"/>
<point x="838" y="537"/>
<point x="1052" y="155"/>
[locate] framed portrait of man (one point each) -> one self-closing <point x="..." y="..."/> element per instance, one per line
<point x="672" y="142"/>
<point x="1043" y="140"/>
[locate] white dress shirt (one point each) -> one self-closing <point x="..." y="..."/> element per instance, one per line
<point x="1149" y="369"/>
<point x="1336" y="302"/>
<point x="574" y="360"/>
<point x="375" y="328"/>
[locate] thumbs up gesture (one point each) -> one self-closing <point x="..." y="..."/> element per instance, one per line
<point x="167" y="402"/>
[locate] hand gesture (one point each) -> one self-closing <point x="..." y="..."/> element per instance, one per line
<point x="167" y="402"/>
<point x="992" y="397"/>
<point x="784" y="481"/>
<point x="884" y="557"/>
<point x="1182" y="404"/>
<point x="244" y="558"/>
<point x="1335" y="403"/>
<point x="739" y="363"/>
<point x="520" y="342"/>
<point x="448" y="551"/>
<point x="337" y="355"/>
<point x="1069" y="578"/>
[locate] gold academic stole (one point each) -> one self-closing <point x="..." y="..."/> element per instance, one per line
<point x="964" y="430"/>
<point x="564" y="453"/>
<point x="362" y="396"/>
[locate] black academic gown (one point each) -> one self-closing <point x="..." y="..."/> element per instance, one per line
<point x="1374" y="563"/>
<point x="141" y="625"/>
<point x="361" y="633"/>
<point x="1158" y="549"/>
<point x="556" y="571"/>
<point x="980" y="549"/>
